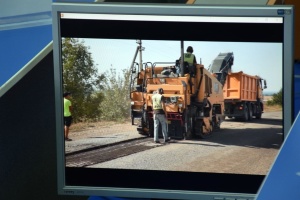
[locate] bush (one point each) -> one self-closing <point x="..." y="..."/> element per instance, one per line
<point x="276" y="100"/>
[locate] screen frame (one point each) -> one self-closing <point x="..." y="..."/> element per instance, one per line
<point x="159" y="9"/>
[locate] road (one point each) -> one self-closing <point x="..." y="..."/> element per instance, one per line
<point x="239" y="147"/>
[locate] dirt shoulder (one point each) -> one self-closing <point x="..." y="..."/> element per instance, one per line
<point x="92" y="129"/>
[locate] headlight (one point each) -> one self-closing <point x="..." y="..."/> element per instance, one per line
<point x="180" y="105"/>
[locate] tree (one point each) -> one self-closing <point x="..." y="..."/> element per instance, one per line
<point x="116" y="103"/>
<point x="80" y="77"/>
<point x="277" y="99"/>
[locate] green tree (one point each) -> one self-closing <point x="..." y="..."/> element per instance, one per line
<point x="116" y="103"/>
<point x="80" y="77"/>
<point x="277" y="99"/>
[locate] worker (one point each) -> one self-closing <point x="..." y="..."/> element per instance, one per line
<point x="190" y="59"/>
<point x="159" y="115"/>
<point x="67" y="114"/>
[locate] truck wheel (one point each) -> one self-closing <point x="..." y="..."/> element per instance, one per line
<point x="258" y="115"/>
<point x="259" y="112"/>
<point x="250" y="113"/>
<point x="246" y="113"/>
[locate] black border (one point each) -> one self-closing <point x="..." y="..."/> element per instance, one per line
<point x="163" y="180"/>
<point x="153" y="30"/>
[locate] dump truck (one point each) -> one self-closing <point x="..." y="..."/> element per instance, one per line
<point x="243" y="93"/>
<point x="243" y="96"/>
<point x="193" y="98"/>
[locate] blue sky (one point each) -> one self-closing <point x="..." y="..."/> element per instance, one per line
<point x="262" y="59"/>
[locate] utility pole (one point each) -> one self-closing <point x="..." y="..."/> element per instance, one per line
<point x="182" y="58"/>
<point x="140" y="48"/>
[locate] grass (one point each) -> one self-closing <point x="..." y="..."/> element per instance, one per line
<point x="268" y="108"/>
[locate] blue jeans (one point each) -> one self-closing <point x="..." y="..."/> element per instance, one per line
<point x="160" y="119"/>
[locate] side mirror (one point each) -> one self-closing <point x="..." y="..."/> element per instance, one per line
<point x="265" y="84"/>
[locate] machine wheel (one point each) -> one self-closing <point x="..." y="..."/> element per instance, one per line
<point x="198" y="129"/>
<point x="142" y="133"/>
<point x="141" y="130"/>
<point x="189" y="132"/>
<point x="151" y="128"/>
<point x="188" y="135"/>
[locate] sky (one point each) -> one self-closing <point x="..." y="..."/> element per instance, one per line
<point x="262" y="59"/>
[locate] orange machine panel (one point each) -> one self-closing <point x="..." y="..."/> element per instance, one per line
<point x="241" y="87"/>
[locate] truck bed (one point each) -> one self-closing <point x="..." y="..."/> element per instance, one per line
<point x="240" y="87"/>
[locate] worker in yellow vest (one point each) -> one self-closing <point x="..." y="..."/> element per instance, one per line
<point x="67" y="114"/>
<point x="190" y="58"/>
<point x="159" y="115"/>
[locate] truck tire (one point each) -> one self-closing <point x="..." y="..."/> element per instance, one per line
<point x="259" y="112"/>
<point x="258" y="115"/>
<point x="250" y="112"/>
<point x="246" y="113"/>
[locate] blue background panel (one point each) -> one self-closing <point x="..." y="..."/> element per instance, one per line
<point x="283" y="180"/>
<point x="19" y="46"/>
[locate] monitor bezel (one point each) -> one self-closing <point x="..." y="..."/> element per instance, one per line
<point x="162" y="9"/>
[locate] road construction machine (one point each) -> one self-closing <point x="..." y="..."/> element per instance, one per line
<point x="243" y="93"/>
<point x="193" y="97"/>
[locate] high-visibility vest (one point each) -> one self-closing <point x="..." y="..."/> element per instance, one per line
<point x="156" y="102"/>
<point x="189" y="58"/>
<point x="67" y="104"/>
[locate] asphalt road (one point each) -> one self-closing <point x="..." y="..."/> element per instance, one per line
<point x="239" y="147"/>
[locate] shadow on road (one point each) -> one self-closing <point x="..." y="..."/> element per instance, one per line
<point x="262" y="133"/>
<point x="267" y="121"/>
